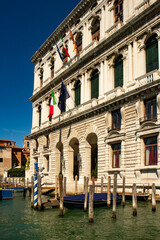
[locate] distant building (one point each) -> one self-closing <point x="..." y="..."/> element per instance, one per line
<point x="26" y="148"/>
<point x="111" y="122"/>
<point x="10" y="155"/>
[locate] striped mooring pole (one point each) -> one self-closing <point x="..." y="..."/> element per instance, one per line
<point x="35" y="184"/>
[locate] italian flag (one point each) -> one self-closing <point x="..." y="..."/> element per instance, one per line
<point x="52" y="103"/>
<point x="65" y="49"/>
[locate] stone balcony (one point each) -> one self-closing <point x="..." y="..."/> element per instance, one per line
<point x="147" y="78"/>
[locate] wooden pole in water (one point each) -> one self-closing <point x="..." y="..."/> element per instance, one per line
<point x="76" y="184"/>
<point x="93" y="183"/>
<point x="101" y="184"/>
<point x="61" y="195"/>
<point x="32" y="191"/>
<point x="114" y="196"/>
<point x="91" y="195"/>
<point x="134" y="199"/>
<point x="84" y="185"/>
<point x="123" y="192"/>
<point x="109" y="192"/>
<point x="86" y="195"/>
<point x="153" y="197"/>
<point x="39" y="193"/>
<point x="56" y="187"/>
<point x="64" y="191"/>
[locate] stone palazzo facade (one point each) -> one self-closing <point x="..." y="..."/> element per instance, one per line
<point x="112" y="119"/>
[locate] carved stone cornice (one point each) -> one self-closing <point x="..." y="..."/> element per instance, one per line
<point x="102" y="47"/>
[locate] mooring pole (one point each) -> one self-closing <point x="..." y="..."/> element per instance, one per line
<point x="76" y="184"/>
<point x="32" y="191"/>
<point x="114" y="196"/>
<point x="39" y="193"/>
<point x="101" y="184"/>
<point x="134" y="199"/>
<point x="84" y="185"/>
<point x="91" y="196"/>
<point x="123" y="192"/>
<point x="109" y="192"/>
<point x="61" y="194"/>
<point x="86" y="195"/>
<point x="64" y="190"/>
<point x="35" y="184"/>
<point x="153" y="197"/>
<point x="56" y="187"/>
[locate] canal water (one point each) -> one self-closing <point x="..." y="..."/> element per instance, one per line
<point x="18" y="221"/>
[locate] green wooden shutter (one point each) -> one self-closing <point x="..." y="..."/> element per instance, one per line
<point x="152" y="54"/>
<point x="95" y="84"/>
<point x="77" y="93"/>
<point x="118" y="72"/>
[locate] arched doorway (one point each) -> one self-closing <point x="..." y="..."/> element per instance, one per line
<point x="74" y="148"/>
<point x="92" y="140"/>
<point x="59" y="157"/>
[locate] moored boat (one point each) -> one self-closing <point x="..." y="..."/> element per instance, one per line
<point x="77" y="201"/>
<point x="6" y="194"/>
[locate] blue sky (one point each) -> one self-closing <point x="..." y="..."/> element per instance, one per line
<point x="24" y="26"/>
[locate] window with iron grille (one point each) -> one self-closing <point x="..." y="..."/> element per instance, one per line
<point x="150" y="151"/>
<point x="116" y="155"/>
<point x="152" y="53"/>
<point x="118" y="11"/>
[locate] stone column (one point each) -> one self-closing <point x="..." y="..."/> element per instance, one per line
<point x="87" y="88"/>
<point x="135" y="59"/>
<point x="130" y="63"/>
<point x="102" y="23"/>
<point x="159" y="51"/>
<point x="105" y="76"/>
<point x="142" y="61"/>
<point x="101" y="80"/>
<point x="83" y="89"/>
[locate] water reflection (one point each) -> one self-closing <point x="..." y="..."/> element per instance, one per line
<point x="19" y="221"/>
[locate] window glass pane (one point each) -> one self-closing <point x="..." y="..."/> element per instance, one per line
<point x="95" y="84"/>
<point x="152" y="53"/>
<point x="118" y="72"/>
<point x="147" y="155"/>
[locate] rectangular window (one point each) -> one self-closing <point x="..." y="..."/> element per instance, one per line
<point x="150" y="151"/>
<point x="1" y="159"/>
<point x="118" y="11"/>
<point x="150" y="109"/>
<point x="116" y="159"/>
<point x="116" y="120"/>
<point x="27" y="144"/>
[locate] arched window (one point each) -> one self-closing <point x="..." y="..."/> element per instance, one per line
<point x="118" y="72"/>
<point x="95" y="84"/>
<point x="118" y="11"/>
<point x="152" y="53"/>
<point x="79" y="42"/>
<point x="95" y="30"/>
<point x="77" y="93"/>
